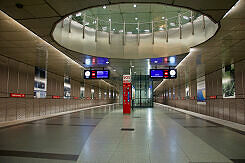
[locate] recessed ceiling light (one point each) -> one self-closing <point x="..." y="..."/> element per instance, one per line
<point x="136" y="18"/>
<point x="104" y="7"/>
<point x="135" y="5"/>
<point x="78" y="14"/>
<point x="186" y="17"/>
<point x="172" y="24"/>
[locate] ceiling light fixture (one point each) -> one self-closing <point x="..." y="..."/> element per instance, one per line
<point x="132" y="66"/>
<point x="163" y="17"/>
<point x="104" y="7"/>
<point x="136" y="18"/>
<point x="107" y="62"/>
<point x="109" y="20"/>
<point x="186" y="17"/>
<point x="78" y="14"/>
<point x="172" y="24"/>
<point x="135" y="5"/>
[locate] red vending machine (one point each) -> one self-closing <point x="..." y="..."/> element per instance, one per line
<point x="126" y="94"/>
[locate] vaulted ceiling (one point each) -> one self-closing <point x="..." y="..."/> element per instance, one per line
<point x="40" y="16"/>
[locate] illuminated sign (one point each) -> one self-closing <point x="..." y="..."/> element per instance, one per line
<point x="126" y="78"/>
<point x="96" y="61"/>
<point x="213" y="97"/>
<point x="17" y="95"/>
<point x="56" y="97"/>
<point x="156" y="73"/>
<point x="171" y="61"/>
<point x="96" y="74"/>
<point x="163" y="73"/>
<point x="156" y="61"/>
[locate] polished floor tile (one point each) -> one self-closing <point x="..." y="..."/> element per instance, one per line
<point x="160" y="135"/>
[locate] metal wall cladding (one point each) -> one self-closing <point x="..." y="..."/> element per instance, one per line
<point x="231" y="109"/>
<point x="29" y="108"/>
<point x="11" y="109"/>
<point x="20" y="108"/>
<point x="131" y="48"/>
<point x="3" y="109"/>
<point x="17" y="77"/>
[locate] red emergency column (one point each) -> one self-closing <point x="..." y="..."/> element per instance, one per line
<point x="126" y="98"/>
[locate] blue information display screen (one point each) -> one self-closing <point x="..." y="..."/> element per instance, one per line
<point x="163" y="73"/>
<point x="102" y="61"/>
<point x="156" y="73"/>
<point x="103" y="74"/>
<point x="96" y="74"/>
<point x="156" y="61"/>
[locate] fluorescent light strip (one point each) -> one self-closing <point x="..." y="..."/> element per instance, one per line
<point x="233" y="8"/>
<point x="80" y="66"/>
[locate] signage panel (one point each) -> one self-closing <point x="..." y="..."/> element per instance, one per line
<point x="17" y="95"/>
<point x="96" y="74"/>
<point x="95" y="61"/>
<point x="163" y="73"/>
<point x="126" y="78"/>
<point x="156" y="73"/>
<point x="56" y="97"/>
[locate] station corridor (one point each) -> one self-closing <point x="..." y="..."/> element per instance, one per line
<point x="122" y="81"/>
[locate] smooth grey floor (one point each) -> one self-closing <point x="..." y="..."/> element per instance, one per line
<point x="160" y="136"/>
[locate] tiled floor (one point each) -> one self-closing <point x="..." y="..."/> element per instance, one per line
<point x="160" y="136"/>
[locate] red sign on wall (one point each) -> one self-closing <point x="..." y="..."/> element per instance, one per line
<point x="55" y="97"/>
<point x="17" y="95"/>
<point x="213" y="97"/>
